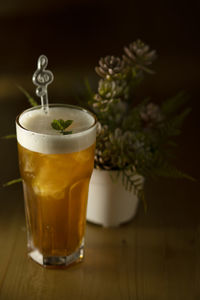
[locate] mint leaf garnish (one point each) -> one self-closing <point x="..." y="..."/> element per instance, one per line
<point x="61" y="125"/>
<point x="56" y="125"/>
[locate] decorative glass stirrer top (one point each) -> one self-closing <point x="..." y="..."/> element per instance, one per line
<point x="42" y="78"/>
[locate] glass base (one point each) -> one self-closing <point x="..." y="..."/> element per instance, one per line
<point x="57" y="261"/>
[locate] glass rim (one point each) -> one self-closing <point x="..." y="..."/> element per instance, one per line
<point x="57" y="105"/>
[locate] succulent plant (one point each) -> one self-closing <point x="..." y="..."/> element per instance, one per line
<point x="151" y="114"/>
<point x="110" y="67"/>
<point x="133" y="138"/>
<point x="139" y="55"/>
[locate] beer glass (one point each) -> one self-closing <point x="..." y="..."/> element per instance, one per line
<point x="55" y="170"/>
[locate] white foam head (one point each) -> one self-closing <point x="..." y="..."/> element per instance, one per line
<point x="34" y="130"/>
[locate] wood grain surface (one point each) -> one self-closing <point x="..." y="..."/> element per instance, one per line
<point x="156" y="256"/>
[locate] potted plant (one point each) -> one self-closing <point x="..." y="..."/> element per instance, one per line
<point x="134" y="139"/>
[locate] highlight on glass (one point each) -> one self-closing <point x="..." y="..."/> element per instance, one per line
<point x="56" y="144"/>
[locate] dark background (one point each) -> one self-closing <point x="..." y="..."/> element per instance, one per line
<point x="75" y="34"/>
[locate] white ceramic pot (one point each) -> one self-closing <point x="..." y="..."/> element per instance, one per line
<point x="109" y="203"/>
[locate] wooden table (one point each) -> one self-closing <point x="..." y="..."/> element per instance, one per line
<point x="156" y="256"/>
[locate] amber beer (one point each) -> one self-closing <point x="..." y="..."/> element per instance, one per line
<point x="56" y="171"/>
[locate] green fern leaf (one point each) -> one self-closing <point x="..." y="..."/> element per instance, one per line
<point x="167" y="170"/>
<point x="32" y="101"/>
<point x="9" y="136"/>
<point x="172" y="104"/>
<point x="11" y="182"/>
